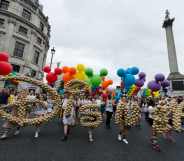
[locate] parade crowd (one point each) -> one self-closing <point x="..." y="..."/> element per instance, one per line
<point x="121" y="109"/>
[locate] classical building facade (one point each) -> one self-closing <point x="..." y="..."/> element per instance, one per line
<point x="24" y="34"/>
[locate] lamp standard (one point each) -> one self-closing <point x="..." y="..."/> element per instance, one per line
<point x="52" y="54"/>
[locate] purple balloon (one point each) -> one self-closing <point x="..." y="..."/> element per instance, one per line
<point x="142" y="75"/>
<point x="154" y="86"/>
<point x="139" y="82"/>
<point x="165" y="83"/>
<point x="159" y="77"/>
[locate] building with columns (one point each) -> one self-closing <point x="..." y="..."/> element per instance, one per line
<point x="24" y="34"/>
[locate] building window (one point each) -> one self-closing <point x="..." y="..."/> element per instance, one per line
<point x="2" y="22"/>
<point x="16" y="68"/>
<point x="23" y="30"/>
<point x="26" y="14"/>
<point x="4" y="4"/>
<point x="41" y="26"/>
<point x="36" y="57"/>
<point x="19" y="49"/>
<point x="39" y="40"/>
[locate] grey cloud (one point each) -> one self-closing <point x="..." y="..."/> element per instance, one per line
<point x="114" y="33"/>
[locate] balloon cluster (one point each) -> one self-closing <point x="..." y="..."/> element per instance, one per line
<point x="5" y="67"/>
<point x="80" y="72"/>
<point x="129" y="82"/>
<point x="156" y="85"/>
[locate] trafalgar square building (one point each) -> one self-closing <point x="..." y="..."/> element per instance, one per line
<point x="24" y="34"/>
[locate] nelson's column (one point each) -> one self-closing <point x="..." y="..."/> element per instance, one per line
<point x="176" y="79"/>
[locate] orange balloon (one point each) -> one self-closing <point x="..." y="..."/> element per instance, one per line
<point x="65" y="69"/>
<point x="110" y="82"/>
<point x="67" y="77"/>
<point x="72" y="71"/>
<point x="105" y="84"/>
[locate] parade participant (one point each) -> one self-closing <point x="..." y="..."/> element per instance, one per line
<point x="49" y="104"/>
<point x="68" y="115"/>
<point x="121" y="119"/>
<point x="39" y="110"/>
<point x="12" y="97"/>
<point x="151" y="109"/>
<point x="104" y="100"/>
<point x="98" y="101"/>
<point x="90" y="130"/>
<point x="168" y="133"/>
<point x="4" y="94"/>
<point x="158" y="118"/>
<point x="86" y="100"/>
<point x="109" y="111"/>
<point x="7" y="126"/>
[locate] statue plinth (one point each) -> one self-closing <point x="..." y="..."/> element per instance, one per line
<point x="177" y="84"/>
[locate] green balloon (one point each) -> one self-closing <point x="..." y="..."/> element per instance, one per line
<point x="88" y="81"/>
<point x="89" y="72"/>
<point x="103" y="72"/>
<point x="95" y="81"/>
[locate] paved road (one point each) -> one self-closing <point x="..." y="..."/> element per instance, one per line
<point x="105" y="148"/>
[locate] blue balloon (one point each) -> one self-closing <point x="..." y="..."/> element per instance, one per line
<point x="128" y="71"/>
<point x="121" y="72"/>
<point x="129" y="80"/>
<point x="134" y="70"/>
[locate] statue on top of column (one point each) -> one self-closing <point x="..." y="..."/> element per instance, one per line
<point x="167" y="15"/>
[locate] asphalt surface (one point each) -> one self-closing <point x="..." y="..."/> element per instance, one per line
<point x="49" y="147"/>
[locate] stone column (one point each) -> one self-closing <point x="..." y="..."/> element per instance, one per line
<point x="173" y="64"/>
<point x="176" y="79"/>
<point x="9" y="45"/>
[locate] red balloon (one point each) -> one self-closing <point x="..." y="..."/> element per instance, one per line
<point x="51" y="77"/>
<point x="4" y="56"/>
<point x="47" y="69"/>
<point x="57" y="71"/>
<point x="5" y="68"/>
<point x="72" y="71"/>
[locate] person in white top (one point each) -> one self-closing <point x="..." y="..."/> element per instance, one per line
<point x="109" y="111"/>
<point x="151" y="109"/>
<point x="39" y="110"/>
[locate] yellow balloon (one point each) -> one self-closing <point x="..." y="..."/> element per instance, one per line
<point x="156" y="94"/>
<point x="80" y="76"/>
<point x="80" y="67"/>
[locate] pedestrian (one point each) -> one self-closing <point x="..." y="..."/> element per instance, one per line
<point x="109" y="111"/>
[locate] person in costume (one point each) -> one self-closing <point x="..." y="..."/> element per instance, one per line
<point x="121" y="119"/>
<point x="8" y="126"/>
<point x="68" y="115"/>
<point x="160" y="123"/>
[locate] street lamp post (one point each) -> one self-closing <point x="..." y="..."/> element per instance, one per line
<point x="52" y="54"/>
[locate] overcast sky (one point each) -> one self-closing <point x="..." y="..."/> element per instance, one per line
<point x="114" y="33"/>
